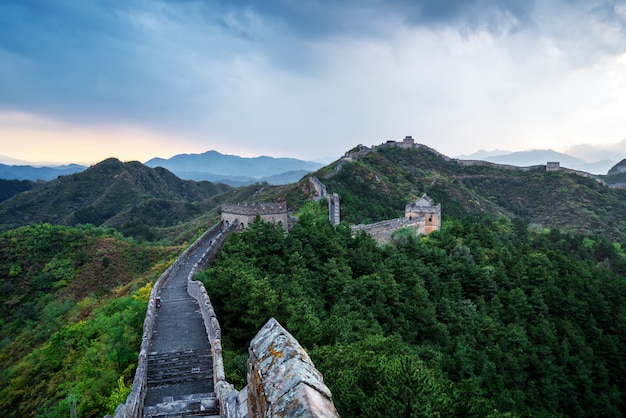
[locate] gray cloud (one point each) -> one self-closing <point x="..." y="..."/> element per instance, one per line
<point x="283" y="73"/>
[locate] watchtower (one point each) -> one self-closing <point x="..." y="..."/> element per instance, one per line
<point x="425" y="208"/>
<point x="244" y="213"/>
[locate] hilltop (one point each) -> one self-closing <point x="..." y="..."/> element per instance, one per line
<point x="375" y="184"/>
<point x="111" y="193"/>
<point x="616" y="176"/>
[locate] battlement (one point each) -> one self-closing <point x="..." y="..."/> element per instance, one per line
<point x="244" y="213"/>
<point x="253" y="209"/>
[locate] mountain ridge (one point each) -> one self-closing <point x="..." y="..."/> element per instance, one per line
<point x="373" y="185"/>
<point x="376" y="185"/>
<point x="541" y="156"/>
<point x="104" y="191"/>
<point x="213" y="165"/>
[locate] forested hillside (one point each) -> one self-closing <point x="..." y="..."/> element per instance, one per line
<point x="73" y="305"/>
<point x="9" y="188"/>
<point x="149" y="204"/>
<point x="129" y="196"/>
<point x="483" y="318"/>
<point x="379" y="184"/>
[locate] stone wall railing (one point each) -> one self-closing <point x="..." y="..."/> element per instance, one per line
<point x="469" y="163"/>
<point x="134" y="402"/>
<point x="255" y="209"/>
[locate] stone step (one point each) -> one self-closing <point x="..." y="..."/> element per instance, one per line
<point x="177" y="367"/>
<point x="194" y="405"/>
<point x="179" y="357"/>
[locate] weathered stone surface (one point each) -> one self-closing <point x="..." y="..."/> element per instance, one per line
<point x="282" y="379"/>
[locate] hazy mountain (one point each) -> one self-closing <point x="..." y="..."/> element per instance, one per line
<point x="28" y="172"/>
<point x="616" y="176"/>
<point x="237" y="181"/>
<point x="235" y="170"/>
<point x="598" y="152"/>
<point x="482" y="154"/>
<point x="535" y="157"/>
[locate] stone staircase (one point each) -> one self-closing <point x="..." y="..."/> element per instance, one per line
<point x="168" y="371"/>
<point x="181" y="366"/>
<point x="199" y="405"/>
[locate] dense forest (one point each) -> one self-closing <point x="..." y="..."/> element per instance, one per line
<point x="73" y="305"/>
<point x="482" y="318"/>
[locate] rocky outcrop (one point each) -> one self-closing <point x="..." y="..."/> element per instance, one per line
<point x="282" y="379"/>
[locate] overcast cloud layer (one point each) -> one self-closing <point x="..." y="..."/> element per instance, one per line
<point x="137" y="79"/>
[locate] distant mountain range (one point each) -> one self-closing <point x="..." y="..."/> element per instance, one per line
<point x="240" y="171"/>
<point x="28" y="172"/>
<point x="234" y="170"/>
<point x="211" y="165"/>
<point x="535" y="157"/>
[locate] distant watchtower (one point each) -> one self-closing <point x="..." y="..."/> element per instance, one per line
<point x="553" y="166"/>
<point x="425" y="208"/>
<point x="408" y="142"/>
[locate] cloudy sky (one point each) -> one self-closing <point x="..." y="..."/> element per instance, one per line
<point x="84" y="80"/>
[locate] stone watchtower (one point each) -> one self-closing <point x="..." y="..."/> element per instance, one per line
<point x="408" y="142"/>
<point x="425" y="208"/>
<point x="245" y="213"/>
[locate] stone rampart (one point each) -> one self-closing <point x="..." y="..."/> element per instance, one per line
<point x="382" y="231"/>
<point x="469" y="163"/>
<point x="320" y="188"/>
<point x="282" y="380"/>
<point x="134" y="402"/>
<point x="334" y="211"/>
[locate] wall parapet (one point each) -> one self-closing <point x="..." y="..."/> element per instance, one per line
<point x="253" y="209"/>
<point x="282" y="379"/>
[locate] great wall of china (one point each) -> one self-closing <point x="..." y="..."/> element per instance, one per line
<point x="282" y="379"/>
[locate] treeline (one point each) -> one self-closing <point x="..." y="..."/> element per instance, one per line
<point x="482" y="318"/>
<point x="73" y="301"/>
